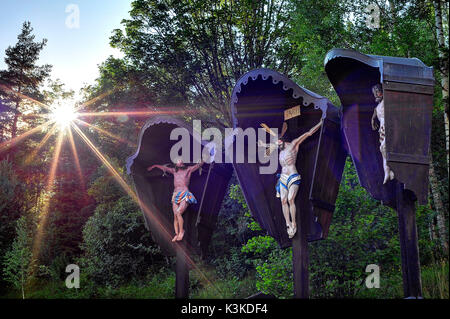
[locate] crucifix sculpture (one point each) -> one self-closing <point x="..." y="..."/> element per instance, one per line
<point x="403" y="89"/>
<point x="167" y="204"/>
<point x="181" y="196"/>
<point x="289" y="179"/>
<point x="378" y="113"/>
<point x="268" y="99"/>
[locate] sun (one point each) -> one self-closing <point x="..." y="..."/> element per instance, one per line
<point x="63" y="115"/>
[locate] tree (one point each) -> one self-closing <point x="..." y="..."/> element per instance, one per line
<point x="18" y="259"/>
<point x="23" y="77"/>
<point x="196" y="50"/>
<point x="443" y="57"/>
<point x="406" y="29"/>
<point x="10" y="205"/>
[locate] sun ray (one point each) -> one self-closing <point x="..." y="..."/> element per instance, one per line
<point x="30" y="157"/>
<point x="141" y="112"/>
<point x="118" y="138"/>
<point x="133" y="195"/>
<point x="23" y="96"/>
<point x="127" y="113"/>
<point x="95" y="99"/>
<point x="7" y="144"/>
<point x="37" y="242"/>
<point x="75" y="157"/>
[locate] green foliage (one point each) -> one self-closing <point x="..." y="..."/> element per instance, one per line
<point x="188" y="54"/>
<point x="232" y="232"/>
<point x="435" y="280"/>
<point x="10" y="190"/>
<point x="260" y="246"/>
<point x="22" y="75"/>
<point x="274" y="275"/>
<point x="233" y="264"/>
<point x="235" y="193"/>
<point x="161" y="285"/>
<point x="196" y="50"/>
<point x="104" y="189"/>
<point x="8" y="185"/>
<point x="116" y="244"/>
<point x="363" y="232"/>
<point x="17" y="261"/>
<point x="230" y="287"/>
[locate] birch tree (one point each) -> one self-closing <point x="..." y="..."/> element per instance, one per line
<point x="443" y="57"/>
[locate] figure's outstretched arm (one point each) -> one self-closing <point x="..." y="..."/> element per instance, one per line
<point x="263" y="144"/>
<point x="373" y="121"/>
<point x="161" y="167"/>
<point x="299" y="140"/>
<point x="195" y="167"/>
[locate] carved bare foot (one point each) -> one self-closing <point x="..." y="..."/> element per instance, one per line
<point x="386" y="177"/>
<point x="180" y="235"/>
<point x="175" y="238"/>
<point x="293" y="230"/>
<point x="289" y="229"/>
<point x="391" y="175"/>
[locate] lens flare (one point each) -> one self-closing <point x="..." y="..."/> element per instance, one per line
<point x="63" y="115"/>
<point x="37" y="241"/>
<point x="107" y="133"/>
<point x="166" y="233"/>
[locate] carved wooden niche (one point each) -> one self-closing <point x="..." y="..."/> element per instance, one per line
<point x="263" y="96"/>
<point x="155" y="190"/>
<point x="408" y="87"/>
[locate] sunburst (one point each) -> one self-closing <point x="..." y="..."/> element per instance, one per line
<point x="63" y="114"/>
<point x="62" y="117"/>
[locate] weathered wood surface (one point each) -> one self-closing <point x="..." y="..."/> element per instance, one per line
<point x="300" y="255"/>
<point x="328" y="170"/>
<point x="216" y="185"/>
<point x="408" y="135"/>
<point x="182" y="271"/>
<point x="409" y="246"/>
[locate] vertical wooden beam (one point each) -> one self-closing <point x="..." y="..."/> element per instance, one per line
<point x="406" y="210"/>
<point x="300" y="255"/>
<point x="181" y="272"/>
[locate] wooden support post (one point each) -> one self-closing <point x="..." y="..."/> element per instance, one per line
<point x="300" y="257"/>
<point x="406" y="210"/>
<point x="182" y="272"/>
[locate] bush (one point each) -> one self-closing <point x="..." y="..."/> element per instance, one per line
<point x="274" y="276"/>
<point x="116" y="245"/>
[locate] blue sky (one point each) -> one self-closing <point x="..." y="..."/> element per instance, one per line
<point x="73" y="52"/>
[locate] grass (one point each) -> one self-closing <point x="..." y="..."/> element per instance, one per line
<point x="435" y="281"/>
<point x="435" y="285"/>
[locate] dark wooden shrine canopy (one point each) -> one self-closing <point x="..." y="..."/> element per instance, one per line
<point x="408" y="87"/>
<point x="155" y="191"/>
<point x="262" y="96"/>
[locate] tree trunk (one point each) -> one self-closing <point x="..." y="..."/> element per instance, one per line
<point x="439" y="206"/>
<point x="22" y="284"/>
<point x="443" y="70"/>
